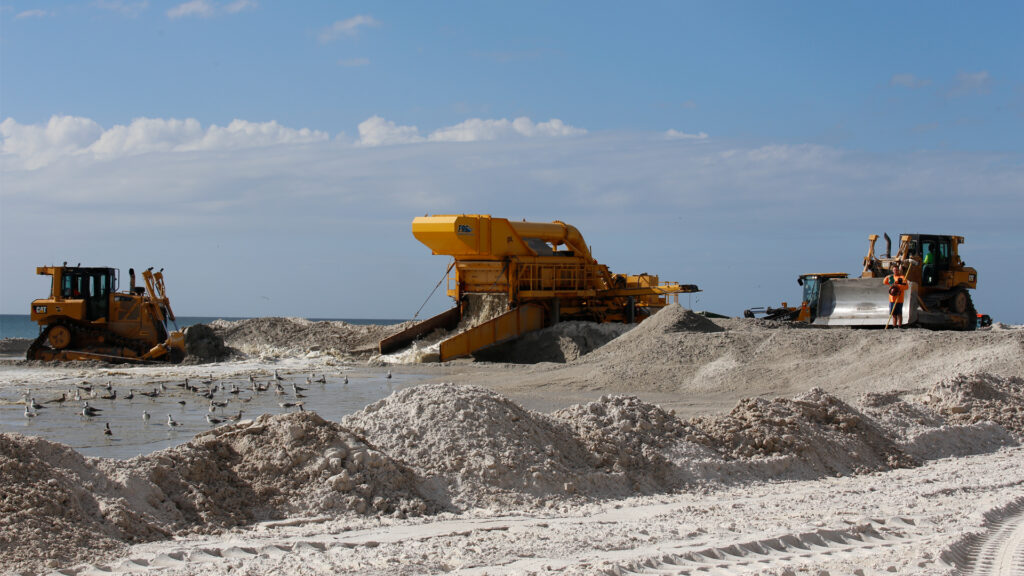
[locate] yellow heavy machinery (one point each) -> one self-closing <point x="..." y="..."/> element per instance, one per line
<point x="543" y="273"/>
<point x="938" y="296"/>
<point x="86" y="318"/>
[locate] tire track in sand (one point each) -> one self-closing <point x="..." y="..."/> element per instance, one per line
<point x="997" y="552"/>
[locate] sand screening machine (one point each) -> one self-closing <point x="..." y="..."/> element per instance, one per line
<point x="538" y="273"/>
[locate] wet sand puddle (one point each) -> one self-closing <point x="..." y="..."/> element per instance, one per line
<point x="132" y="435"/>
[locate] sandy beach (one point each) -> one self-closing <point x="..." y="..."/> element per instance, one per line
<point x="681" y="446"/>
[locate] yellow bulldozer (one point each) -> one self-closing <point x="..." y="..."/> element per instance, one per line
<point x="938" y="296"/>
<point x="541" y="272"/>
<point x="86" y="318"/>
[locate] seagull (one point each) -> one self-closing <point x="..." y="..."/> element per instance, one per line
<point x="63" y="398"/>
<point x="236" y="418"/>
<point x="111" y="396"/>
<point x="170" y="422"/>
<point x="388" y="375"/>
<point x="219" y="403"/>
<point x="182" y="402"/>
<point x="346" y="380"/>
<point x="297" y="389"/>
<point x="277" y="376"/>
<point x="106" y="431"/>
<point x="321" y="380"/>
<point x="234" y="389"/>
<point x="130" y="394"/>
<point x="145" y="416"/>
<point x="212" y="420"/>
<point x="35" y="405"/>
<point x="290" y="405"/>
<point x="28" y="412"/>
<point x="89" y="411"/>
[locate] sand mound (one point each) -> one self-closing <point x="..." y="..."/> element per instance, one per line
<point x="980" y="397"/>
<point x="278" y="337"/>
<point x="482" y="447"/>
<point x="827" y="436"/>
<point x="563" y="342"/>
<point x="203" y="344"/>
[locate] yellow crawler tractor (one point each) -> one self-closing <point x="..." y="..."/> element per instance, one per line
<point x="86" y="318"/>
<point x="938" y="297"/>
<point x="542" y="272"/>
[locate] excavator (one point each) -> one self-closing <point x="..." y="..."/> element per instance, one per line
<point x="938" y="297"/>
<point x="542" y="273"/>
<point x="86" y="318"/>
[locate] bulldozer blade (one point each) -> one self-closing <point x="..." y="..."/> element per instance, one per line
<point x="860" y="302"/>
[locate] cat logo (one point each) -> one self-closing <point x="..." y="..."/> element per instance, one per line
<point x="465" y="229"/>
<point x="40" y="309"/>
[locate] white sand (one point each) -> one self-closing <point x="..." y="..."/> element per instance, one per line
<point x="790" y="451"/>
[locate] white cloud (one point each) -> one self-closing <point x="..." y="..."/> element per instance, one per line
<point x="67" y="136"/>
<point x="972" y="83"/>
<point x="239" y="5"/>
<point x="908" y="81"/>
<point x="200" y="8"/>
<point x="376" y="131"/>
<point x="677" y="135"/>
<point x="347" y="27"/>
<point x="129" y="9"/>
<point x="354" y="62"/>
<point x="31" y="14"/>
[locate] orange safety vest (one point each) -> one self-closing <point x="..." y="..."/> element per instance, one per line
<point x="901" y="284"/>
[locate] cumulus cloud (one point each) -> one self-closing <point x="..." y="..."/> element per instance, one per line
<point x="972" y="83"/>
<point x="678" y="135"/>
<point x="347" y="27"/>
<point x="354" y="62"/>
<point x="129" y="9"/>
<point x="200" y="8"/>
<point x="65" y="136"/>
<point x="239" y="5"/>
<point x="908" y="81"/>
<point x="31" y="14"/>
<point x="476" y="129"/>
<point x="376" y="131"/>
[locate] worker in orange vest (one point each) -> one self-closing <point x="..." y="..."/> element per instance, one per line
<point x="897" y="286"/>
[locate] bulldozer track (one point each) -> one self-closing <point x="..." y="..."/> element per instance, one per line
<point x="83" y="328"/>
<point x="997" y="552"/>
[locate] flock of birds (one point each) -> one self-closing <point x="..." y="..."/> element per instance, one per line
<point x="208" y="390"/>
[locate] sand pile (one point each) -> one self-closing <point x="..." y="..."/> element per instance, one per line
<point x="980" y="397"/>
<point x="825" y="435"/>
<point x="564" y="342"/>
<point x="203" y="344"/>
<point x="481" y="448"/>
<point x="280" y="337"/>
<point x="50" y="508"/>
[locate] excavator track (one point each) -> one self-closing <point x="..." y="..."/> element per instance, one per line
<point x="39" y="350"/>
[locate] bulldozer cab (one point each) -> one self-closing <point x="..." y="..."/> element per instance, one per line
<point x="812" y="289"/>
<point x="935" y="253"/>
<point x="93" y="285"/>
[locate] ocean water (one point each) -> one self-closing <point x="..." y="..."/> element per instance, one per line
<point x="21" y="326"/>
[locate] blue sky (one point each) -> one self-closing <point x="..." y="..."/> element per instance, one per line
<point x="271" y="155"/>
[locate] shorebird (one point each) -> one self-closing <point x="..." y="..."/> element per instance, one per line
<point x="182" y="402"/>
<point x="212" y="420"/>
<point x="108" y="386"/>
<point x="346" y="380"/>
<point x="63" y="398"/>
<point x="219" y="403"/>
<point x="35" y="405"/>
<point x="130" y="394"/>
<point x="111" y="396"/>
<point x="152" y="394"/>
<point x="89" y="411"/>
<point x="28" y="412"/>
<point x="297" y="389"/>
<point x="84" y="386"/>
<point x="106" y="431"/>
<point x="78" y="396"/>
<point x="279" y="389"/>
<point x="234" y="389"/>
<point x="170" y="422"/>
<point x="388" y="375"/>
<point x="207" y="380"/>
<point x="287" y="405"/>
<point x="237" y="417"/>
<point x="321" y="380"/>
<point x="277" y="376"/>
<point x="145" y="416"/>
